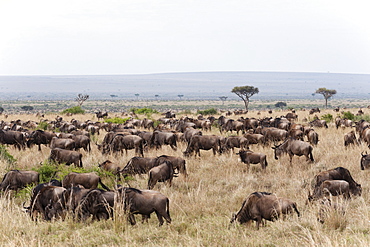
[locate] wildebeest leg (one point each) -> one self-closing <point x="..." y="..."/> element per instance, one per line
<point x="145" y="218"/>
<point x="258" y="222"/>
<point x="131" y="218"/>
<point x="160" y="218"/>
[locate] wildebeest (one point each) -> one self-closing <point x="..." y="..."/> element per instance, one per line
<point x="39" y="137"/>
<point x="63" y="143"/>
<point x="294" y="147"/>
<point x="110" y="166"/>
<point x="232" y="142"/>
<point x="11" y="137"/>
<point x="350" y="139"/>
<point x="82" y="141"/>
<point x="178" y="163"/>
<point x="190" y="132"/>
<point x="44" y="197"/>
<point x="144" y="202"/>
<point x="318" y="123"/>
<point x="147" y="124"/>
<point x="96" y="203"/>
<point x="249" y="157"/>
<point x="161" y="173"/>
<point x="312" y="136"/>
<point x="160" y="138"/>
<point x="255" y="138"/>
<point x="262" y="205"/>
<point x="233" y="125"/>
<point x="100" y="114"/>
<point x="16" y="180"/>
<point x="339" y="173"/>
<point x="331" y="187"/>
<point x="139" y="165"/>
<point x="343" y="122"/>
<point x="66" y="156"/>
<point x="205" y="142"/>
<point x="365" y="161"/>
<point x="120" y="143"/>
<point x="87" y="180"/>
<point x="313" y="110"/>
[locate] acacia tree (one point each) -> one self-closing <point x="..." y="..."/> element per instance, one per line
<point x="245" y="92"/>
<point x="327" y="93"/>
<point x="81" y="98"/>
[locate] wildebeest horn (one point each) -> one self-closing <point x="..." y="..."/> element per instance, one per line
<point x="25" y="207"/>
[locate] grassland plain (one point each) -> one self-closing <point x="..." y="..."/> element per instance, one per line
<point x="201" y="205"/>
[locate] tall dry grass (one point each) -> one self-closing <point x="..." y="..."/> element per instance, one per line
<point x="202" y="204"/>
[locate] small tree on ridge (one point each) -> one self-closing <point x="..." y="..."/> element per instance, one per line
<point x="327" y="93"/>
<point x="245" y="92"/>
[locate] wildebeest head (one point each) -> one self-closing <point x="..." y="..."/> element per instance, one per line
<point x="365" y="161"/>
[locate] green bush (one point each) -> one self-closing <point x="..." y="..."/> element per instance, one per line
<point x="47" y="171"/>
<point x="116" y="120"/>
<point x="348" y="115"/>
<point x="73" y="110"/>
<point x="327" y="117"/>
<point x="5" y="155"/>
<point x="42" y="126"/>
<point x="211" y="111"/>
<point x="143" y="110"/>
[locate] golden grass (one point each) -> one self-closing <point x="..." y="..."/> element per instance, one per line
<point x="202" y="204"/>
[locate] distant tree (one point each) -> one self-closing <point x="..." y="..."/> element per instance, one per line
<point x="280" y="104"/>
<point x="113" y="96"/>
<point x="245" y="92"/>
<point x="81" y="98"/>
<point x="137" y="96"/>
<point x="27" y="108"/>
<point x="327" y="93"/>
<point x="180" y="96"/>
<point x="156" y="96"/>
<point x="223" y="99"/>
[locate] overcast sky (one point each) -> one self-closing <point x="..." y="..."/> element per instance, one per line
<point x="90" y="37"/>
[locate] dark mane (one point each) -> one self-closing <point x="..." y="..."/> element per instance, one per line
<point x="134" y="190"/>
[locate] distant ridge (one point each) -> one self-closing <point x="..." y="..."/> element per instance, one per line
<point x="193" y="85"/>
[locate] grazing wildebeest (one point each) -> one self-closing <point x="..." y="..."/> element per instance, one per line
<point x="63" y="143"/>
<point x="147" y="124"/>
<point x="45" y="196"/>
<point x="66" y="156"/>
<point x="16" y="180"/>
<point x="139" y="165"/>
<point x="365" y="161"/>
<point x="144" y="202"/>
<point x="339" y="173"/>
<point x="178" y="163"/>
<point x="350" y="139"/>
<point x="331" y="187"/>
<point x="249" y="157"/>
<point x="161" y="173"/>
<point x="232" y="142"/>
<point x="96" y="203"/>
<point x="11" y="137"/>
<point x="87" y="180"/>
<point x="312" y="136"/>
<point x="110" y="166"/>
<point x="262" y="205"/>
<point x="205" y="142"/>
<point x="294" y="147"/>
<point x="39" y="137"/>
<point x="120" y="143"/>
<point x="255" y="138"/>
<point x="233" y="125"/>
<point x="318" y="123"/>
<point x="343" y="122"/>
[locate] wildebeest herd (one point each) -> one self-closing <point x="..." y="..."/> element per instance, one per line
<point x="78" y="194"/>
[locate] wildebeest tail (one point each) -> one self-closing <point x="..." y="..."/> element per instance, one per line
<point x="168" y="208"/>
<point x="103" y="185"/>
<point x="311" y="156"/>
